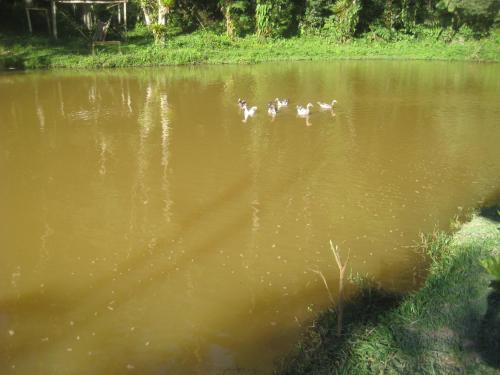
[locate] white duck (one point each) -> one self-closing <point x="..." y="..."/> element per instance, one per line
<point x="271" y="109"/>
<point x="242" y="103"/>
<point x="281" y="102"/>
<point x="248" y="112"/>
<point x="326" y="105"/>
<point x="304" y="111"/>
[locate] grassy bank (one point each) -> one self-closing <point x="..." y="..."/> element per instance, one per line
<point x="24" y="52"/>
<point x="450" y="326"/>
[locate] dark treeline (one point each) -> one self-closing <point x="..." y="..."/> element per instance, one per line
<point x="338" y="19"/>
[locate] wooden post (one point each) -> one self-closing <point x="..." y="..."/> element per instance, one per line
<point x="54" y="21"/>
<point x="125" y="14"/>
<point x="119" y="14"/>
<point x="29" y="20"/>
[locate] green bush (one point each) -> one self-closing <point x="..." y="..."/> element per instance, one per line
<point x="341" y="25"/>
<point x="159" y="33"/>
<point x="316" y="12"/>
<point x="466" y="33"/>
<point x="275" y="18"/>
<point x="378" y="32"/>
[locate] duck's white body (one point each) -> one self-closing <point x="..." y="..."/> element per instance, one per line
<point x="326" y="105"/>
<point x="304" y="111"/>
<point x="249" y="112"/>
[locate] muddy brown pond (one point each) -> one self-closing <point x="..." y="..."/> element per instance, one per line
<point x="145" y="228"/>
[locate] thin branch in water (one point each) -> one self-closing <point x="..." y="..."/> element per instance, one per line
<point x="324" y="282"/>
<point x="342" y="268"/>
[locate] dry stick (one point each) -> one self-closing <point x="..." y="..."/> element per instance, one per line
<point x="342" y="268"/>
<point x="324" y="282"/>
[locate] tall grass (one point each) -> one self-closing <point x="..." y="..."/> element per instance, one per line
<point x="25" y="52"/>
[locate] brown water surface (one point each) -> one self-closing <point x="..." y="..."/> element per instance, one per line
<point x="144" y="228"/>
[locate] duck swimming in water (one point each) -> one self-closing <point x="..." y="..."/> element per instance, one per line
<point x="248" y="112"/>
<point x="242" y="103"/>
<point x="326" y="105"/>
<point x="281" y="102"/>
<point x="304" y="111"/>
<point x="271" y="109"/>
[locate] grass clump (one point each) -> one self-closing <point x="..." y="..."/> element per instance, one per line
<point x="451" y="325"/>
<point x="492" y="266"/>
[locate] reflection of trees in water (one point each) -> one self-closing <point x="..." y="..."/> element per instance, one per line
<point x="60" y="97"/>
<point x="140" y="200"/>
<point x="250" y="261"/>
<point x="40" y="113"/>
<point x="165" y="147"/>
<point x="103" y="151"/>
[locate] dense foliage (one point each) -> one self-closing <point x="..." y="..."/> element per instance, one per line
<point x="340" y="20"/>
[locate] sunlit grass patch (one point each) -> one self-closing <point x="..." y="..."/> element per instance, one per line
<point x="25" y="52"/>
<point x="450" y="325"/>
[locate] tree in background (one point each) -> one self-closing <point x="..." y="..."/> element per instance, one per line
<point x="155" y="17"/>
<point x="316" y="13"/>
<point x="263" y="18"/>
<point x="409" y="15"/>
<point x="339" y="19"/>
<point x="189" y="15"/>
<point x="275" y="17"/>
<point x="238" y="17"/>
<point x="164" y="7"/>
<point x="341" y="25"/>
<point x="371" y="13"/>
<point x="147" y="11"/>
<point x="155" y="9"/>
<point x="477" y="14"/>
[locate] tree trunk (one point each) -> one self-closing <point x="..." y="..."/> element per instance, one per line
<point x="229" y="23"/>
<point x="147" y="16"/>
<point x="87" y="17"/>
<point x="162" y="12"/>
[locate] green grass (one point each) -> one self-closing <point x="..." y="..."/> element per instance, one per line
<point x="450" y="326"/>
<point x="25" y="52"/>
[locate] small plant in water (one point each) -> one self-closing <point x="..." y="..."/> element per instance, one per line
<point x="364" y="282"/>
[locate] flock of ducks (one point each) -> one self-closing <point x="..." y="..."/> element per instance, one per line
<point x="274" y="106"/>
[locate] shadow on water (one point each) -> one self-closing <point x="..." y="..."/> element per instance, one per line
<point x="492" y="213"/>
